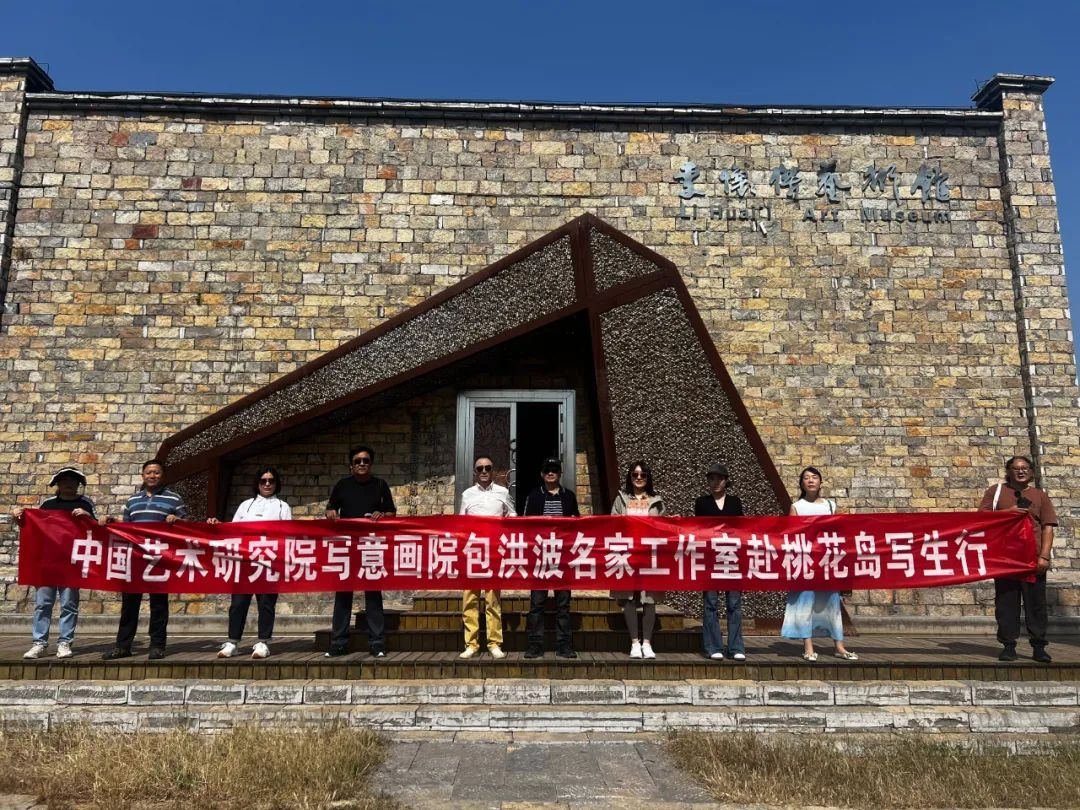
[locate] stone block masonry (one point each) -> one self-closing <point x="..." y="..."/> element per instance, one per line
<point x="168" y="256"/>
<point x="551" y="706"/>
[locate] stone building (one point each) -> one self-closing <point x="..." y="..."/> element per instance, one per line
<point x="235" y="280"/>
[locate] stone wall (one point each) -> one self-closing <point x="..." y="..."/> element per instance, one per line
<point x="171" y="258"/>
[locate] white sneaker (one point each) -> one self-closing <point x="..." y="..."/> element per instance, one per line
<point x="496" y="651"/>
<point x="469" y="652"/>
<point x="646" y="650"/>
<point x="718" y="656"/>
<point x="228" y="650"/>
<point x="739" y="656"/>
<point x="36" y="650"/>
<point x="261" y="650"/>
<point x="635" y="650"/>
<point x="63" y="650"/>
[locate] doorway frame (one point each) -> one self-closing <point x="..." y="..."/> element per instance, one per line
<point x="468" y="401"/>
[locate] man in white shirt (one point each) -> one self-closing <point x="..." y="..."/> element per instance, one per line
<point x="485" y="497"/>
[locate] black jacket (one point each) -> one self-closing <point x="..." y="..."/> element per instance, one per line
<point x="534" y="504"/>
<point x="705" y="506"/>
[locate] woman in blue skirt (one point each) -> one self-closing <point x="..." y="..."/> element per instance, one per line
<point x="814" y="613"/>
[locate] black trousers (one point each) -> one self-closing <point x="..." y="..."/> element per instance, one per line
<point x="373" y="611"/>
<point x="238" y="611"/>
<point x="534" y="625"/>
<point x="1008" y="594"/>
<point x="129" y="619"/>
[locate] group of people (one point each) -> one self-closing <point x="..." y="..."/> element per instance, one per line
<point x="808" y="614"/>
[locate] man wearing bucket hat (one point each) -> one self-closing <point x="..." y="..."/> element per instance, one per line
<point x="68" y="498"/>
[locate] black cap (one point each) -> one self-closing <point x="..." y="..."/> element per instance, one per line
<point x="718" y="470"/>
<point x="551" y="465"/>
<point x="67" y="472"/>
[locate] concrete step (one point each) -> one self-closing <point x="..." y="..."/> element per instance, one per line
<point x="519" y="603"/>
<point x="516" y="620"/>
<point x="451" y="640"/>
<point x="511" y="620"/>
<point x="952" y="625"/>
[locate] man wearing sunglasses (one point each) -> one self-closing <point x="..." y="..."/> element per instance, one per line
<point x="485" y="497"/>
<point x="361" y="495"/>
<point x="550" y="499"/>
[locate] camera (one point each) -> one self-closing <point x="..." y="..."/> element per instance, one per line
<point x="1023" y="502"/>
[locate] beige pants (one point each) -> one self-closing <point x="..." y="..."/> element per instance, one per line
<point x="470" y="614"/>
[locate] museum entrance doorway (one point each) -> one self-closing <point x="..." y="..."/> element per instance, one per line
<point x="518" y="429"/>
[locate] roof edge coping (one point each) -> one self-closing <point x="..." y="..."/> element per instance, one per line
<point x="37" y="80"/>
<point x="988" y="96"/>
<point x="504" y="110"/>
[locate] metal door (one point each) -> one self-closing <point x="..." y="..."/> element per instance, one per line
<point x="487" y="422"/>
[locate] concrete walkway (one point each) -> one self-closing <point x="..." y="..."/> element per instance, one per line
<point x="567" y="771"/>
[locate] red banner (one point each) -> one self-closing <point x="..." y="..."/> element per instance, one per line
<point x="835" y="552"/>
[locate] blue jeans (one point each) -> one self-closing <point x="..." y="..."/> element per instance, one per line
<point x="44" y="599"/>
<point x="711" y="633"/>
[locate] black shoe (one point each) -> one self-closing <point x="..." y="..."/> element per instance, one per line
<point x="156" y="653"/>
<point x="532" y="651"/>
<point x="335" y="651"/>
<point x="566" y="652"/>
<point x="116" y="652"/>
<point x="1008" y="653"/>
<point x="378" y="653"/>
<point x="1041" y="655"/>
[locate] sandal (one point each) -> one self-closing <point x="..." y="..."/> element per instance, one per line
<point x="847" y="655"/>
<point x="811" y="657"/>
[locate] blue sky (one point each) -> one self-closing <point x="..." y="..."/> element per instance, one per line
<point x="874" y="53"/>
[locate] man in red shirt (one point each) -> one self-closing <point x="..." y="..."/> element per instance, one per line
<point x="1017" y="494"/>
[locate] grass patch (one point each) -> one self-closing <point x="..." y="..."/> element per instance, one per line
<point x="245" y="768"/>
<point x="897" y="772"/>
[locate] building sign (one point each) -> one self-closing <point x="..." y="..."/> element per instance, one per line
<point x="874" y="194"/>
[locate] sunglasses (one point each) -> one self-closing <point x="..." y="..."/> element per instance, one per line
<point x="638" y="475"/>
<point x="267" y="480"/>
<point x="360" y="462"/>
<point x="549" y="470"/>
<point x="484" y="468"/>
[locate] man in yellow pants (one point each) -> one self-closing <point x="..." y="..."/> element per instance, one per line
<point x="485" y="497"/>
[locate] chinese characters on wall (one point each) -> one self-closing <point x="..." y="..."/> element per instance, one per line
<point x="729" y="194"/>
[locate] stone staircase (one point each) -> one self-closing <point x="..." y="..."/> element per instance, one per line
<point x="433" y="624"/>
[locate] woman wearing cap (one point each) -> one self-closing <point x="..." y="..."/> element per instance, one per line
<point x="637" y="497"/>
<point x="266" y="505"/>
<point x="67" y="499"/>
<point x="716" y="503"/>
<point x="814" y="613"/>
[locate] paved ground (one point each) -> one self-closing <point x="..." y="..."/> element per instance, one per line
<point x="572" y="773"/>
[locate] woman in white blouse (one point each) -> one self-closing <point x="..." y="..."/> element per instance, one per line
<point x="266" y="505"/>
<point x="814" y="613"/>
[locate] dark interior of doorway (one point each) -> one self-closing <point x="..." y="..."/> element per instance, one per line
<point x="537" y="439"/>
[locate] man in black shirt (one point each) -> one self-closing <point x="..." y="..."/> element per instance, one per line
<point x="717" y="503"/>
<point x="361" y="495"/>
<point x="553" y="500"/>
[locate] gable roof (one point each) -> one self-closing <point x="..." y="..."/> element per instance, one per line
<point x="660" y="387"/>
